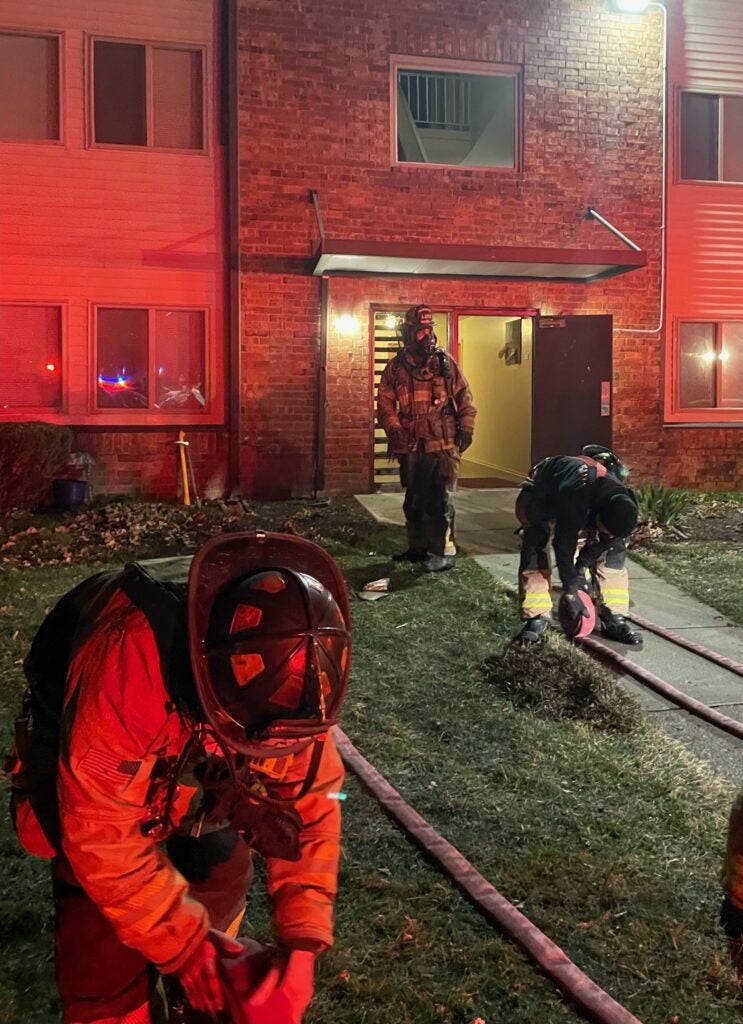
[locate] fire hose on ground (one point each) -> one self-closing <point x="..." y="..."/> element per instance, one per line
<point x="590" y="1000"/>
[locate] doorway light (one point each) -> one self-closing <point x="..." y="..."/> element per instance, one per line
<point x="629" y="6"/>
<point x="346" y="324"/>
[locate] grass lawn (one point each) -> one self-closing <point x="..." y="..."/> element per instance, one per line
<point x="607" y="835"/>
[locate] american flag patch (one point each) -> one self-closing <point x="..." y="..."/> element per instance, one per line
<point x="106" y="765"/>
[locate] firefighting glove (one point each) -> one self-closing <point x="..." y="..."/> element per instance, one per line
<point x="573" y="604"/>
<point x="284" y="993"/>
<point x="401" y="441"/>
<point x="731" y="919"/>
<point x="463" y="440"/>
<point x="199" y="978"/>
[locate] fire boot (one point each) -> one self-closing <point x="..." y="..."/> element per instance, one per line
<point x="617" y="627"/>
<point x="438" y="563"/>
<point x="411" y="555"/>
<point x="532" y="630"/>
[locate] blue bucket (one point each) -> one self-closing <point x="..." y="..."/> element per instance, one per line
<point x="69" y="493"/>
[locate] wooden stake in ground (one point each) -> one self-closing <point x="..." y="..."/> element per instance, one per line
<point x="182" y="445"/>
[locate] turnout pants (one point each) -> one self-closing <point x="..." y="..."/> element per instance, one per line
<point x="428" y="478"/>
<point x="604" y="563"/>
<point x="101" y="981"/>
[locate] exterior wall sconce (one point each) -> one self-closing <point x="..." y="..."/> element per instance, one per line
<point x="346" y="324"/>
<point x="629" y="6"/>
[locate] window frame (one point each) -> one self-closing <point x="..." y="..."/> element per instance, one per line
<point x="149" y="44"/>
<point x="151" y="416"/>
<point x="27" y="411"/>
<point x="59" y="35"/>
<point x="400" y="62"/>
<point x="679" y="179"/>
<point x="675" y="413"/>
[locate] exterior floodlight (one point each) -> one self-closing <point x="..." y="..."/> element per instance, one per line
<point x="630" y="6"/>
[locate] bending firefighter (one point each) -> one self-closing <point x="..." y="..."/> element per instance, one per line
<point x="425" y="408"/>
<point x="569" y="496"/>
<point x="171" y="729"/>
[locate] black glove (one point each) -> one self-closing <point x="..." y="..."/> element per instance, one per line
<point x="573" y="603"/>
<point x="731" y="919"/>
<point x="463" y="440"/>
<point x="401" y="441"/>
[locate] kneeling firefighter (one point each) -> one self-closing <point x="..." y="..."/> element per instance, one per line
<point x="169" y="730"/>
<point x="424" y="406"/>
<point x="569" y="496"/>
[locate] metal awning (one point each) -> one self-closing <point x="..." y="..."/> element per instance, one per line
<point x="349" y="256"/>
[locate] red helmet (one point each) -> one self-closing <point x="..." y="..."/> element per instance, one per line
<point x="269" y="638"/>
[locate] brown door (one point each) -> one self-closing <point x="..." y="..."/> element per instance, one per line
<point x="571" y="384"/>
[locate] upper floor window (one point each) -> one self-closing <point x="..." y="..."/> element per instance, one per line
<point x="710" y="366"/>
<point x="150" y="359"/>
<point x="148" y="95"/>
<point x="711" y="137"/>
<point x="448" y="113"/>
<point x="31" y="346"/>
<point x="29" y="87"/>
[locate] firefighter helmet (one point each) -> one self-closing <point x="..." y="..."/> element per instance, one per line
<point x="269" y="638"/>
<point x="419" y="318"/>
<point x="609" y="459"/>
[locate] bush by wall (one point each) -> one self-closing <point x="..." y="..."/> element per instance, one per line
<point x="31" y="455"/>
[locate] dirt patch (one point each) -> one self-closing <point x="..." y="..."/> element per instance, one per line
<point x="709" y="518"/>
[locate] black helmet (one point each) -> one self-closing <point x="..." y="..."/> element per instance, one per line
<point x="608" y="458"/>
<point x="618" y="514"/>
<point x="416" y="319"/>
<point x="270" y="642"/>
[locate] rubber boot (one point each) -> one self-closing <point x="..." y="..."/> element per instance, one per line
<point x="411" y="555"/>
<point x="532" y="630"/>
<point x="620" y="629"/>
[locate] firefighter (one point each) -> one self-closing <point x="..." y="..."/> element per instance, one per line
<point x="175" y="728"/>
<point x="425" y="408"/>
<point x="731" y="913"/>
<point x="569" y="496"/>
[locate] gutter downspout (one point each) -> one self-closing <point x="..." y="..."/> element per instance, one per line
<point x="322" y="365"/>
<point x="231" y="141"/>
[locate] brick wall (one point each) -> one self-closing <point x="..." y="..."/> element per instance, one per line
<point x="315" y="114"/>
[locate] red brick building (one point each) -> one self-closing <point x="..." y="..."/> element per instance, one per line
<point x="294" y="176"/>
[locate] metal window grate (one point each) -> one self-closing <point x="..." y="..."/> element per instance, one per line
<point x="438" y="100"/>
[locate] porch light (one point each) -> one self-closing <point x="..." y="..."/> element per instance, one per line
<point x="629" y="6"/>
<point x="391" y="322"/>
<point x="346" y="324"/>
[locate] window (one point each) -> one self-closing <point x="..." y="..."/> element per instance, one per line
<point x="452" y="115"/>
<point x="710" y="366"/>
<point x="711" y="137"/>
<point x="147" y="95"/>
<point x="31" y="346"/>
<point x="151" y="359"/>
<point x="29" y="87"/>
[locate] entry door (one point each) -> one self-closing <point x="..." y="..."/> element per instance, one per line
<point x="571" y="384"/>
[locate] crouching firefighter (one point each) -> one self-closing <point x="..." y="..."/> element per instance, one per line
<point x="568" y="497"/>
<point x="424" y="406"/>
<point x="171" y="729"/>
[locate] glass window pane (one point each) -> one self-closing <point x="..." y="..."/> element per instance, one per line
<point x="179" y="358"/>
<point x="29" y="87"/>
<point x="697" y="366"/>
<point x="31" y="346"/>
<point x="732" y="138"/>
<point x="699" y="136"/>
<point x="177" y="98"/>
<point x="119" y="93"/>
<point x="122" y="376"/>
<point x="731" y="356"/>
<point x="447" y="118"/>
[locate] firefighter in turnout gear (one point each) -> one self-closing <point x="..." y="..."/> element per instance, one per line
<point x="731" y="913"/>
<point x="569" y="496"/>
<point x="170" y="730"/>
<point x="424" y="406"/>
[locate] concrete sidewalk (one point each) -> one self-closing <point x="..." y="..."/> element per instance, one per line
<point x="485" y="530"/>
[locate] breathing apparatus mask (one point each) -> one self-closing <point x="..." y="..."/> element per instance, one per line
<point x="418" y="335"/>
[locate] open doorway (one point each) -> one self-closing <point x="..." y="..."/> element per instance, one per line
<point x="494" y="351"/>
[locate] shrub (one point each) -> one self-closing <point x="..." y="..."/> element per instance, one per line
<point x="663" y="506"/>
<point x="31" y="455"/>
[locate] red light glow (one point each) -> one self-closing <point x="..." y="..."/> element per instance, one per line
<point x="51" y="367"/>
